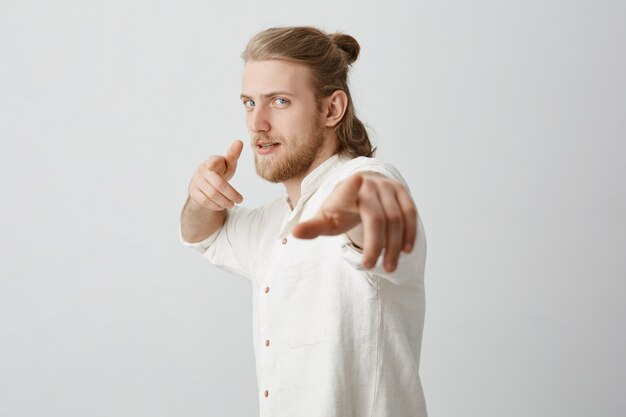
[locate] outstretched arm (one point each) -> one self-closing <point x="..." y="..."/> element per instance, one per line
<point x="376" y="212"/>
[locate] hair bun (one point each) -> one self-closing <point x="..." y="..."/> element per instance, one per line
<point x="347" y="44"/>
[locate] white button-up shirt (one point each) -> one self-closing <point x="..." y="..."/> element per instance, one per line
<point x="330" y="338"/>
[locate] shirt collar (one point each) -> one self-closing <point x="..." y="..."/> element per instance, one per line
<point x="309" y="185"/>
<point x="314" y="179"/>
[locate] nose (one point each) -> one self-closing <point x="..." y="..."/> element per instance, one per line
<point x="259" y="120"/>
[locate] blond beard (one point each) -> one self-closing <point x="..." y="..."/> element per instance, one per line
<point x="295" y="161"/>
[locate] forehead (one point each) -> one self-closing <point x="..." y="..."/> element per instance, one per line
<point x="264" y="77"/>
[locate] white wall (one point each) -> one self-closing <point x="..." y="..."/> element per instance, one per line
<point x="507" y="119"/>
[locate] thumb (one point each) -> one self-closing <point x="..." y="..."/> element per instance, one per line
<point x="232" y="154"/>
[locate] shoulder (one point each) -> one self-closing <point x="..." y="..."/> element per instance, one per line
<point x="348" y="167"/>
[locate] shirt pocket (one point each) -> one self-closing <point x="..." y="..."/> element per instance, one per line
<point x="306" y="305"/>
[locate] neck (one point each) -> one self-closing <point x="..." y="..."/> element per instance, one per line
<point x="293" y="186"/>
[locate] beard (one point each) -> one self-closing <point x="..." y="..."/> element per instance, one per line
<point x="295" y="156"/>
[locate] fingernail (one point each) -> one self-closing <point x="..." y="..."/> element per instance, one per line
<point x="408" y="247"/>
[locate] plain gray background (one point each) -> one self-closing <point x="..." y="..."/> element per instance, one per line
<point x="507" y="118"/>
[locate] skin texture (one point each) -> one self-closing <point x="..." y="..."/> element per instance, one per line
<point x="288" y="118"/>
<point x="377" y="213"/>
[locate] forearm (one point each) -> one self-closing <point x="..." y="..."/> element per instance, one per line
<point x="198" y="223"/>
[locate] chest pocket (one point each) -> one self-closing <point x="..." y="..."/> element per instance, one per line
<point x="306" y="308"/>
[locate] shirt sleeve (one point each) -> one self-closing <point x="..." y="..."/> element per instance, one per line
<point x="410" y="265"/>
<point x="231" y="248"/>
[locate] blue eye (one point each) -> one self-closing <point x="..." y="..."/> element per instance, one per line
<point x="248" y="101"/>
<point x="285" y="101"/>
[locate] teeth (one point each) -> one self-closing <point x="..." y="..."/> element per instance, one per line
<point x="268" y="145"/>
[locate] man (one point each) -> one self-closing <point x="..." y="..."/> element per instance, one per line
<point x="336" y="265"/>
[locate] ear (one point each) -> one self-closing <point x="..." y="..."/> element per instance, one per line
<point x="335" y="107"/>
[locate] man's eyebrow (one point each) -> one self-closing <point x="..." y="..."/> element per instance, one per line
<point x="274" y="93"/>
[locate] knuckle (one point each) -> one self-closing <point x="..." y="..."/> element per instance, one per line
<point x="206" y="201"/>
<point x="198" y="176"/>
<point x="211" y="193"/>
<point x="368" y="185"/>
<point x="201" y="199"/>
<point x="217" y="182"/>
<point x="212" y="163"/>
<point x="387" y="182"/>
<point x="377" y="220"/>
<point x="208" y="205"/>
<point x="198" y="196"/>
<point x="395" y="219"/>
<point x="206" y="166"/>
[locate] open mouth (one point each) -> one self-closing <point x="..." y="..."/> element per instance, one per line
<point x="267" y="148"/>
<point x="268" y="145"/>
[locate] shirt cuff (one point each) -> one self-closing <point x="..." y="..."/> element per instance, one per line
<point x="354" y="256"/>
<point x="201" y="246"/>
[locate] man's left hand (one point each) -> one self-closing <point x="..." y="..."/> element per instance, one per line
<point x="375" y="211"/>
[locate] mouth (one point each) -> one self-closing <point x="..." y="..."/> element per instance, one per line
<point x="267" y="148"/>
<point x="267" y="145"/>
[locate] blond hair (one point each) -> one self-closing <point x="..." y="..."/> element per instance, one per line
<point x="328" y="56"/>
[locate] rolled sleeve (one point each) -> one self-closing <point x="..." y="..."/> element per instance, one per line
<point x="231" y="247"/>
<point x="201" y="246"/>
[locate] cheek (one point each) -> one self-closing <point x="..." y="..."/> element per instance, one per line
<point x="295" y="125"/>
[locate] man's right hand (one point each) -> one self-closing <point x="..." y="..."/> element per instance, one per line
<point x="209" y="187"/>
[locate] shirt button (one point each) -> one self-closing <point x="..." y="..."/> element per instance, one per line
<point x="284" y="241"/>
<point x="266" y="393"/>
<point x="267" y="289"/>
<point x="267" y="343"/>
